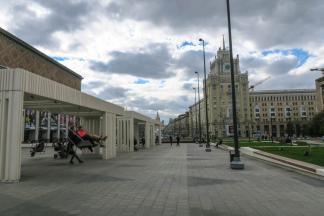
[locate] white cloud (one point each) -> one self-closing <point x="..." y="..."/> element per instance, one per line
<point x="85" y="32"/>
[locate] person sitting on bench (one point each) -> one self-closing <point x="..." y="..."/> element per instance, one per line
<point x="40" y="147"/>
<point x="92" y="138"/>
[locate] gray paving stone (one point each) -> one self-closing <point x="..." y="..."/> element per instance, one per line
<point x="181" y="181"/>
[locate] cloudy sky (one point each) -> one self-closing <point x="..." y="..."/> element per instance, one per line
<point x="142" y="54"/>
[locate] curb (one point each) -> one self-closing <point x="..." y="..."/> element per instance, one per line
<point x="279" y="160"/>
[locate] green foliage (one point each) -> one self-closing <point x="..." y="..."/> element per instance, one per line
<point x="301" y="143"/>
<point x="316" y="126"/>
<point x="314" y="156"/>
<point x="290" y="129"/>
<point x="252" y="144"/>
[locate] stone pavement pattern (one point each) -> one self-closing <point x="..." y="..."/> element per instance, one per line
<point x="183" y="180"/>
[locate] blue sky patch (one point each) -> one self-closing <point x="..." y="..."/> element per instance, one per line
<point x="60" y="58"/>
<point x="185" y="43"/>
<point x="300" y="54"/>
<point x="141" y="81"/>
<point x="190" y="43"/>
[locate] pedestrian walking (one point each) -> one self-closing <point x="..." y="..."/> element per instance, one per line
<point x="178" y="140"/>
<point x="170" y="140"/>
<point x="220" y="142"/>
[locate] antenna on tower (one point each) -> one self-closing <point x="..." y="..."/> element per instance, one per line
<point x="223" y="42"/>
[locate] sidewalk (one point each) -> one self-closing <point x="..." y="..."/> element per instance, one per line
<point x="183" y="180"/>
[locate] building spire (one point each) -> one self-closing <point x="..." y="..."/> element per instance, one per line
<point x="157" y="116"/>
<point x="223" y="42"/>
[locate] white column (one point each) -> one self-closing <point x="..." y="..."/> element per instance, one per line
<point x="119" y="134"/>
<point x="58" y="126"/>
<point x="126" y="146"/>
<point x="147" y="135"/>
<point x="131" y="134"/>
<point x="136" y="132"/>
<point x="66" y="125"/>
<point x="11" y="135"/>
<point x="153" y="134"/>
<point x="48" y="136"/>
<point x="37" y="126"/>
<point x="124" y="136"/>
<point x="109" y="130"/>
<point x="160" y="134"/>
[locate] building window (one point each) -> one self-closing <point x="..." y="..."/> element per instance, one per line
<point x="303" y="112"/>
<point x="257" y="112"/>
<point x="272" y="112"/>
<point x="288" y="112"/>
<point x="229" y="113"/>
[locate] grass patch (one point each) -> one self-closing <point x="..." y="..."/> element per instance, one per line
<point x="251" y="144"/>
<point x="315" y="157"/>
<point x="301" y="143"/>
<point x="255" y="143"/>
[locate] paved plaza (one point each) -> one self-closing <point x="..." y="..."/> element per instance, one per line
<point x="183" y="180"/>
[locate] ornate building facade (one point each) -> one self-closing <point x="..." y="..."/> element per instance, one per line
<point x="219" y="98"/>
<point x="320" y="93"/>
<point x="271" y="113"/>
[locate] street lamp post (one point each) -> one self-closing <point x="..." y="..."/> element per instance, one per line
<point x="199" y="117"/>
<point x="250" y="131"/>
<point x="205" y="96"/>
<point x="271" y="128"/>
<point x="236" y="163"/>
<point x="196" y="129"/>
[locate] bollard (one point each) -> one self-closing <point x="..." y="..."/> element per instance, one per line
<point x="232" y="153"/>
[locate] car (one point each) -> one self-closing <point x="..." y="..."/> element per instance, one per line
<point x="322" y="138"/>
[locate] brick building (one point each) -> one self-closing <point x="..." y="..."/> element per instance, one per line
<point x="15" y="53"/>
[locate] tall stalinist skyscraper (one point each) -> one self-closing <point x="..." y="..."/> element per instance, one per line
<point x="260" y="113"/>
<point x="220" y="99"/>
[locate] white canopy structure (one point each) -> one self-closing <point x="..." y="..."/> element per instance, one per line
<point x="21" y="89"/>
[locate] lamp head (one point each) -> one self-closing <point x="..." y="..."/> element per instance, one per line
<point x="200" y="39"/>
<point x="196" y="72"/>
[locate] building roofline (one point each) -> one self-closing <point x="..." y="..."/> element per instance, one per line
<point x="3" y="67"/>
<point x="201" y="100"/>
<point x="36" y="51"/>
<point x="283" y="91"/>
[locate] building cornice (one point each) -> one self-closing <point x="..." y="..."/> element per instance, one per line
<point x="286" y="91"/>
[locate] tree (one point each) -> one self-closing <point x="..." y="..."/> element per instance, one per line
<point x="290" y="128"/>
<point x="316" y="126"/>
<point x="298" y="128"/>
<point x="304" y="129"/>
